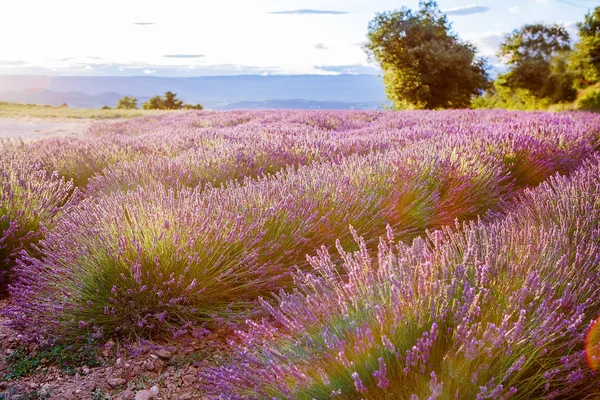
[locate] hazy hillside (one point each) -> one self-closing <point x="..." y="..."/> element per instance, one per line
<point x="221" y="92"/>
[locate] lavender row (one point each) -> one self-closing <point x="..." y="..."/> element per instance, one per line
<point x="497" y="310"/>
<point x="250" y="143"/>
<point x="152" y="260"/>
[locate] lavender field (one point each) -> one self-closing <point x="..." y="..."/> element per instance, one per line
<point x="376" y="255"/>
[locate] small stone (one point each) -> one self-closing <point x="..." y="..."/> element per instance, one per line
<point x="85" y="370"/>
<point x="3" y="385"/>
<point x="159" y="364"/>
<point x="126" y="395"/>
<point x="44" y="392"/>
<point x="154" y="390"/>
<point x="185" y="396"/>
<point x="136" y="370"/>
<point x="189" y="379"/>
<point x="66" y="395"/>
<point x="109" y="345"/>
<point x="164" y="354"/>
<point x="116" y="382"/>
<point x="144" y="395"/>
<point x="149" y="366"/>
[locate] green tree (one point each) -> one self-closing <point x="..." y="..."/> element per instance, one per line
<point x="155" y="103"/>
<point x="530" y="53"/>
<point x="127" y="103"/>
<point x="168" y="102"/>
<point x="171" y="102"/>
<point x="585" y="60"/>
<point x="560" y="86"/>
<point x="424" y="63"/>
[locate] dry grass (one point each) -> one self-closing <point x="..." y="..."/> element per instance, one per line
<point x="16" y="110"/>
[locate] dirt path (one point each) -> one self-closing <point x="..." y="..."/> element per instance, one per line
<point x="37" y="128"/>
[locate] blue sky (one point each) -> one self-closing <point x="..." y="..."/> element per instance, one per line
<point x="231" y="37"/>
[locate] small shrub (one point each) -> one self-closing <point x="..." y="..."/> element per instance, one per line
<point x="127" y="103"/>
<point x="589" y="101"/>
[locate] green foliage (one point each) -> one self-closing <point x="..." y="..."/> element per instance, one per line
<point x="98" y="394"/>
<point x="155" y="103"/>
<point x="560" y="86"/>
<point x="193" y="107"/>
<point x="425" y="64"/>
<point x="142" y="382"/>
<point x="585" y="59"/>
<point x="105" y="108"/>
<point x="68" y="358"/>
<point x="501" y="96"/>
<point x="127" y="103"/>
<point x="535" y="55"/>
<point x="168" y="102"/>
<point x="589" y="101"/>
<point x="171" y="102"/>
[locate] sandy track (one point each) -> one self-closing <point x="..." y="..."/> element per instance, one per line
<point x="37" y="128"/>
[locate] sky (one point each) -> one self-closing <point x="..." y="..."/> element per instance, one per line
<point x="233" y="37"/>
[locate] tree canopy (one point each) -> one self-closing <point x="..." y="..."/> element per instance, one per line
<point x="585" y="59"/>
<point x="127" y="103"/>
<point x="535" y="54"/>
<point x="168" y="102"/>
<point x="425" y="65"/>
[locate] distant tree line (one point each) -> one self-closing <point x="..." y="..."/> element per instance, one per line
<point x="167" y="102"/>
<point x="426" y="66"/>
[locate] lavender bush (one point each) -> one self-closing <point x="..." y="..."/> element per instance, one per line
<point x="29" y="199"/>
<point x="496" y="310"/>
<point x="151" y="259"/>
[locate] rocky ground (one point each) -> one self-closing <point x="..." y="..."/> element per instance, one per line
<point x="144" y="371"/>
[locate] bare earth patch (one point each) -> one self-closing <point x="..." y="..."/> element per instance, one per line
<point x="144" y="372"/>
<point x="38" y="128"/>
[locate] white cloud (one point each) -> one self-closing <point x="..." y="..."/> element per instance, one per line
<point x="515" y="9"/>
<point x="488" y="43"/>
<point x="309" y="12"/>
<point x="466" y="10"/>
<point x="53" y="39"/>
<point x="149" y="71"/>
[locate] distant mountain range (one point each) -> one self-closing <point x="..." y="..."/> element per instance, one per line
<point x="215" y="92"/>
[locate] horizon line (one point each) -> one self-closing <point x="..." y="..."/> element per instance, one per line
<point x="181" y="77"/>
